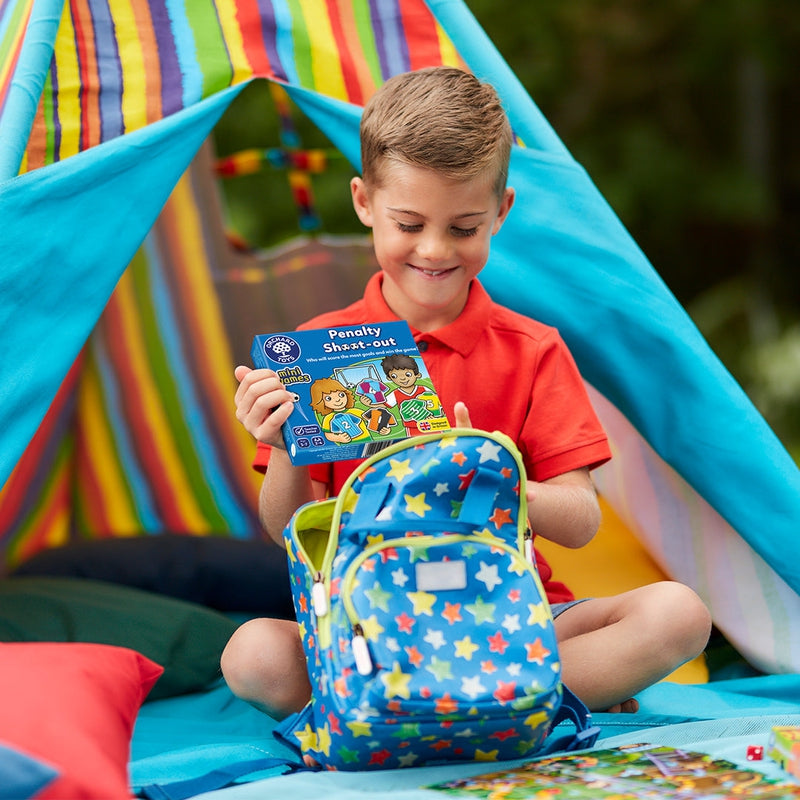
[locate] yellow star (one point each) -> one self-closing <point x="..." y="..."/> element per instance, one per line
<point x="540" y="615"/>
<point x="416" y="504"/>
<point x="423" y="602"/>
<point x="400" y="469"/>
<point x="307" y="738"/>
<point x="465" y="648"/>
<point x="324" y="740"/>
<point x="301" y="629"/>
<point x="396" y="683"/>
<point x="290" y="550"/>
<point x="377" y="539"/>
<point x="372" y="628"/>
<point x="536" y="719"/>
<point x="359" y="728"/>
<point x="490" y="755"/>
<point x="447" y="441"/>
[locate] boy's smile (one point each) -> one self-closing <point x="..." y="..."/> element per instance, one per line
<point x="431" y="237"/>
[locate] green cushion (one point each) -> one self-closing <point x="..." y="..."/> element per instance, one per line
<point x="184" y="638"/>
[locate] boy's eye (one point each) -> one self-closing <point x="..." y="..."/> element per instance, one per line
<point x="464" y="231"/>
<point x="404" y="228"/>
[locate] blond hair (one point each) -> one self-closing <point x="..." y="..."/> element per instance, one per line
<point x="323" y="386"/>
<point x="439" y="118"/>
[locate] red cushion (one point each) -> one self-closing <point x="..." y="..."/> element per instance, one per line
<point x="74" y="706"/>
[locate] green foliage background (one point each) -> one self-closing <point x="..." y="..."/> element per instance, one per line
<point x="685" y="114"/>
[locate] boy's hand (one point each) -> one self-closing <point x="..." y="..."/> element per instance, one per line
<point x="262" y="404"/>
<point x="462" y="415"/>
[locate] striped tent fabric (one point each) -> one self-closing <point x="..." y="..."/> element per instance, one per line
<point x="102" y="108"/>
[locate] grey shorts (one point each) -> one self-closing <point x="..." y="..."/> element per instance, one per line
<point x="560" y="608"/>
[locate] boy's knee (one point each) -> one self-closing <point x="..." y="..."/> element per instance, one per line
<point x="264" y="664"/>
<point x="687" y="615"/>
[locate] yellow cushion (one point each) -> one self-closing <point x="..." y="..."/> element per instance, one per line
<point x="613" y="562"/>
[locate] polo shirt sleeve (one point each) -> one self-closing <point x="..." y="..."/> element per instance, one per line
<point x="318" y="472"/>
<point x="561" y="431"/>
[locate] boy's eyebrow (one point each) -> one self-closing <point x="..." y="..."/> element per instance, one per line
<point x="417" y="214"/>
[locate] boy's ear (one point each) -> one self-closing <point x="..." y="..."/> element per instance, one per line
<point x="360" y="197"/>
<point x="505" y="206"/>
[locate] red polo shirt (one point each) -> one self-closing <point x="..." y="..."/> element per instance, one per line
<point x="514" y="374"/>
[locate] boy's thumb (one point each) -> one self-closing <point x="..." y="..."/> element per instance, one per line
<point x="462" y="415"/>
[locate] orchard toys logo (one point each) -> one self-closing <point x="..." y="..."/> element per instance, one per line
<point x="282" y="349"/>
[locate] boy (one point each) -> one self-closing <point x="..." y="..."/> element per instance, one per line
<point x="435" y="151"/>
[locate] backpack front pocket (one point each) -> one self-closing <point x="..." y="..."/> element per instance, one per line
<point x="455" y="625"/>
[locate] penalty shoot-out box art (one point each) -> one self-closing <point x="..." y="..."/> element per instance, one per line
<point x="357" y="389"/>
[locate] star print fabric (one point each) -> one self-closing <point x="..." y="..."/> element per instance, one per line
<point x="427" y="632"/>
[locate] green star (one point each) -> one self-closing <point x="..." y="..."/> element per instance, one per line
<point x="378" y="598"/>
<point x="440" y="669"/>
<point x="483" y="612"/>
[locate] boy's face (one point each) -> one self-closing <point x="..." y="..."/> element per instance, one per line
<point x="431" y="236"/>
<point x="404" y="378"/>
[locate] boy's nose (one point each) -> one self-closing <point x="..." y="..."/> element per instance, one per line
<point x="433" y="248"/>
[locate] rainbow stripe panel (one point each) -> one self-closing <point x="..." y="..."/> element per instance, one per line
<point x="120" y="65"/>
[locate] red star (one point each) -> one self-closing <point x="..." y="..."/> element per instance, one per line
<point x="389" y="554"/>
<point x="442" y="744"/>
<point x="503" y="735"/>
<point x="395" y="707"/>
<point x="537" y="652"/>
<point x="459" y="458"/>
<point x="379" y="757"/>
<point x="488" y="667"/>
<point x="425" y="692"/>
<point x="504" y="693"/>
<point x="516" y="489"/>
<point x="335" y="583"/>
<point x="500" y="517"/>
<point x="404" y="622"/>
<point x="497" y="644"/>
<point x="452" y="612"/>
<point x="340" y="687"/>
<point x="514" y="595"/>
<point x="303" y="603"/>
<point x="414" y="655"/>
<point x="365" y="473"/>
<point x="333" y="721"/>
<point x="466" y="480"/>
<point x="369" y="565"/>
<point x="445" y="704"/>
<point x="506" y="472"/>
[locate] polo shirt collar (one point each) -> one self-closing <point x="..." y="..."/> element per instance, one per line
<point x="460" y="335"/>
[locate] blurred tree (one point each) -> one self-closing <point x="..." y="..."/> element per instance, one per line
<point x="685" y="113"/>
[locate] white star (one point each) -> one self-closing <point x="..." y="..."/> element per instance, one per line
<point x="392" y="645"/>
<point x="489" y="452"/>
<point x="399" y="577"/>
<point x="440" y="489"/>
<point x="472" y="687"/>
<point x="488" y="575"/>
<point x="511" y="623"/>
<point x="434" y="638"/>
<point x="514" y="669"/>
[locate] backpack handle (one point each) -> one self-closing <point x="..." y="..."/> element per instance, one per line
<point x="379" y="502"/>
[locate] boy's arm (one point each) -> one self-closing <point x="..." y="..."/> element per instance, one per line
<point x="262" y="405"/>
<point x="564" y="509"/>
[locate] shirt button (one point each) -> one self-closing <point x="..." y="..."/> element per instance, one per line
<point x="423" y="346"/>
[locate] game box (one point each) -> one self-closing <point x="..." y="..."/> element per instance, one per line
<point x="357" y="389"/>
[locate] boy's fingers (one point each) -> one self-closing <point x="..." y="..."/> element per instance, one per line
<point x="462" y="415"/>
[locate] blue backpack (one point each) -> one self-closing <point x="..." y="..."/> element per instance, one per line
<point x="427" y="633"/>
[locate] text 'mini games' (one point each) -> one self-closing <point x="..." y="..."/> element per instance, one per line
<point x="357" y="389"/>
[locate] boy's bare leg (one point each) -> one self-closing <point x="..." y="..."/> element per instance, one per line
<point x="614" y="647"/>
<point x="264" y="664"/>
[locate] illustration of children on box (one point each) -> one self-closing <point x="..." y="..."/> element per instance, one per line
<point x="340" y="420"/>
<point x="415" y="401"/>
